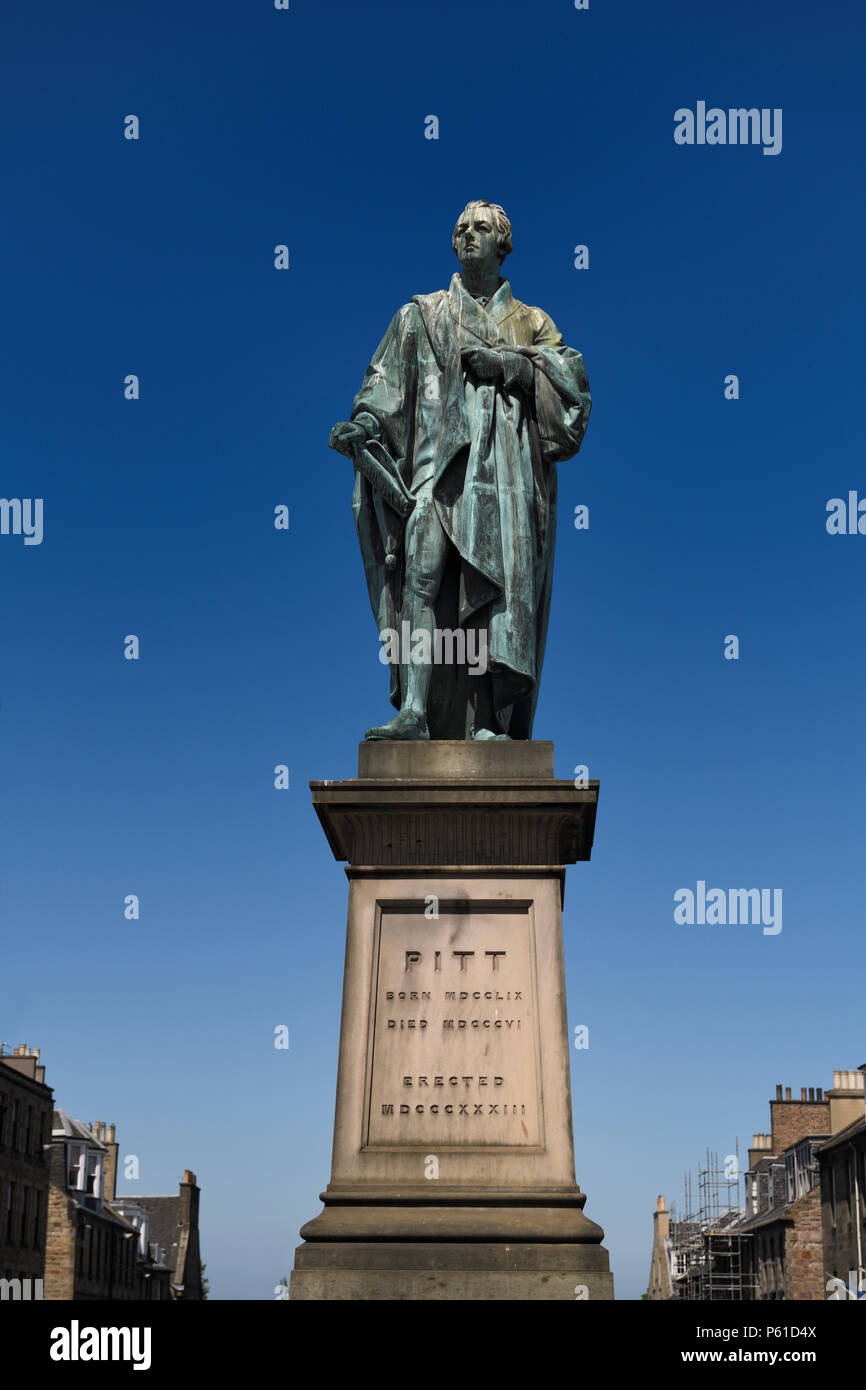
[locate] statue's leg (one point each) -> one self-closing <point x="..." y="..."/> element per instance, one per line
<point x="426" y="555"/>
<point x="485" y="722"/>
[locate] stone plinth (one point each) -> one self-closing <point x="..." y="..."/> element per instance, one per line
<point x="453" y="1166"/>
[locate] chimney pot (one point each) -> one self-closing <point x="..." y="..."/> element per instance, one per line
<point x="819" y="1094"/>
<point x="778" y="1093"/>
<point x="811" y="1093"/>
<point x="837" y="1084"/>
<point x="802" y="1092"/>
<point x="111" y="1134"/>
<point x="787" y="1093"/>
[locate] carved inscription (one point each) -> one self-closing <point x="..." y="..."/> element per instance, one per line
<point x="455" y="1042"/>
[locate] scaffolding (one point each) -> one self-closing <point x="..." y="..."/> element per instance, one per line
<point x="710" y="1253"/>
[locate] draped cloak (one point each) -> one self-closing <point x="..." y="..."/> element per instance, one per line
<point x="488" y="451"/>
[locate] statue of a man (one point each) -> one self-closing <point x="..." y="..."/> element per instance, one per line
<point x="469" y="402"/>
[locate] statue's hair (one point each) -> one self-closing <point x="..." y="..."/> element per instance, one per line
<point x="501" y="222"/>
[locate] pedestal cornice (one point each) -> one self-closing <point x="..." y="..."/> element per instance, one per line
<point x="457" y="803"/>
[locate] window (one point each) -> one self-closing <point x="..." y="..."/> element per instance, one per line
<point x="791" y="1175"/>
<point x="13" y="1138"/>
<point x="10" y="1203"/>
<point x="28" y="1130"/>
<point x="25" y="1214"/>
<point x="94" y="1167"/>
<point x="75" y="1155"/>
<point x="37" y="1222"/>
<point x="764" y="1198"/>
<point x="4" y="1108"/>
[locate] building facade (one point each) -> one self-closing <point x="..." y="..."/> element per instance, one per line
<point x="170" y="1224"/>
<point x="842" y="1162"/>
<point x="92" y="1248"/>
<point x="802" y="1230"/>
<point x="783" y="1198"/>
<point x="26" y="1105"/>
<point x="787" y="1196"/>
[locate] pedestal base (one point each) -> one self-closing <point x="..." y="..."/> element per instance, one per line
<point x="451" y="1271"/>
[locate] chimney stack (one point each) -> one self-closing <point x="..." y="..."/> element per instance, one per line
<point x="110" y="1164"/>
<point x="791" y="1120"/>
<point x="846" y="1099"/>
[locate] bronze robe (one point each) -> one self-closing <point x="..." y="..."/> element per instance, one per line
<point x="489" y="451"/>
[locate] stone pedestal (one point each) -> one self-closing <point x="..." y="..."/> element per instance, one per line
<point x="453" y="1162"/>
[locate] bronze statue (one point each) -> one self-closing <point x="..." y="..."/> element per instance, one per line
<point x="469" y="402"/>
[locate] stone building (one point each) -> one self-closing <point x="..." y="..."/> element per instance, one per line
<point x="26" y="1105"/>
<point x="101" y="1246"/>
<point x="783" y="1189"/>
<point x="842" y="1162"/>
<point x="170" y="1224"/>
<point x="92" y="1248"/>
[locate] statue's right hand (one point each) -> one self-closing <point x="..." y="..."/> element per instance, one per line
<point x="345" y="436"/>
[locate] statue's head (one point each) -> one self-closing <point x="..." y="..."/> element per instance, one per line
<point x="482" y="231"/>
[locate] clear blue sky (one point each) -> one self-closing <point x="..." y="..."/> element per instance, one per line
<point x="707" y="517"/>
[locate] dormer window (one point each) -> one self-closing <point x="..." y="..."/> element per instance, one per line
<point x="76" y="1153"/>
<point x="94" y="1175"/>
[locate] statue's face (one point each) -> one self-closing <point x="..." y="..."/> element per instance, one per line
<point x="476" y="238"/>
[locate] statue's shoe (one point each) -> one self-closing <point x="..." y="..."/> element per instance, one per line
<point x="488" y="734"/>
<point x="405" y="725"/>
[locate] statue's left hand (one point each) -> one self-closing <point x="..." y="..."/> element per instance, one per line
<point x="517" y="371"/>
<point x="511" y="368"/>
<point x="483" y="363"/>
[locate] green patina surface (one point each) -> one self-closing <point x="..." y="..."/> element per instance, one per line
<point x="468" y="404"/>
